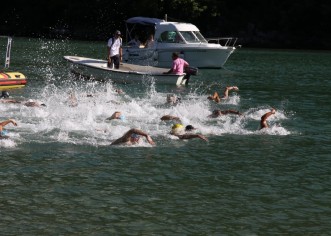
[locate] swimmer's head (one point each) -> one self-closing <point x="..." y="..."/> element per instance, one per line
<point x="177" y="129"/>
<point x="3" y="132"/>
<point x="173" y="99"/>
<point x="122" y="117"/>
<point x="4" y="94"/>
<point x="135" y="137"/>
<point x="189" y="128"/>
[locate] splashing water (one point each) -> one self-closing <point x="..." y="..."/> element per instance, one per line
<point x="86" y="123"/>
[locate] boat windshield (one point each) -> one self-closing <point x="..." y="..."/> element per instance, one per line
<point x="177" y="37"/>
<point x="200" y="37"/>
<point x="193" y="37"/>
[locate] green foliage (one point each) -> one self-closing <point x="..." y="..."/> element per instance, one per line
<point x="287" y="23"/>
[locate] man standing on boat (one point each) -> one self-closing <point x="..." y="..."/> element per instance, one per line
<point x="114" y="50"/>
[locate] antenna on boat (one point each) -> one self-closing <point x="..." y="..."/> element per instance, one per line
<point x="7" y="61"/>
<point x="165" y="17"/>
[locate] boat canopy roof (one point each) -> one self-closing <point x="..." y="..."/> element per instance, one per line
<point x="143" y="20"/>
<point x="176" y="26"/>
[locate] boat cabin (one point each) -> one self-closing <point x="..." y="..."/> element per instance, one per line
<point x="142" y="28"/>
<point x="152" y="41"/>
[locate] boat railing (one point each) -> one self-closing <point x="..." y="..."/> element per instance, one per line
<point x="224" y="41"/>
<point x="7" y="59"/>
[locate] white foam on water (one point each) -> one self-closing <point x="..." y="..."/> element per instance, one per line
<point x="7" y="143"/>
<point x="86" y="123"/>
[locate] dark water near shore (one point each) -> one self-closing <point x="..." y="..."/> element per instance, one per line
<point x="59" y="176"/>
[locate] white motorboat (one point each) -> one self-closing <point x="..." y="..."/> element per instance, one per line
<point x="127" y="73"/>
<point x="169" y="37"/>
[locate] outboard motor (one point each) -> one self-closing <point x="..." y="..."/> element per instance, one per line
<point x="189" y="70"/>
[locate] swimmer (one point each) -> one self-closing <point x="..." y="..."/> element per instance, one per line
<point x="132" y="137"/>
<point x="116" y="115"/>
<point x="4" y="94"/>
<point x="217" y="113"/>
<point x="72" y="100"/>
<point x="217" y="98"/>
<point x="173" y="99"/>
<point x="29" y="103"/>
<point x="118" y="91"/>
<point x="264" y="118"/>
<point x="170" y="117"/>
<point x="3" y="132"/>
<point x="32" y="103"/>
<point x="179" y="131"/>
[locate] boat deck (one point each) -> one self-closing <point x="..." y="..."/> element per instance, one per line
<point x="124" y="67"/>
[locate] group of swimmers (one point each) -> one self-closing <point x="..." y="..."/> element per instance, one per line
<point x="133" y="135"/>
<point x="178" y="129"/>
<point x="216" y="113"/>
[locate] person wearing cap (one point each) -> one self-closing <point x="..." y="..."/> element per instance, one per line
<point x="178" y="65"/>
<point x="132" y="137"/>
<point x="114" y="50"/>
<point x="189" y="128"/>
<point x="3" y="132"/>
<point x="116" y="115"/>
<point x="32" y="103"/>
<point x="182" y="132"/>
<point x="217" y="98"/>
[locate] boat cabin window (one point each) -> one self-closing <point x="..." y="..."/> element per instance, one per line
<point x="200" y="37"/>
<point x="193" y="36"/>
<point x="170" y="37"/>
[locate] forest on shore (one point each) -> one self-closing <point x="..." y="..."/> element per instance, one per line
<point x="294" y="24"/>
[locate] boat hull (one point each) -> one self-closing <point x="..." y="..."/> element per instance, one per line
<point x="12" y="80"/>
<point x="127" y="73"/>
<point x="201" y="57"/>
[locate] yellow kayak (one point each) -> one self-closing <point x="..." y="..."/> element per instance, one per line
<point x="12" y="80"/>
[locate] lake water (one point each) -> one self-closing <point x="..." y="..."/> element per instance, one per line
<point x="60" y="176"/>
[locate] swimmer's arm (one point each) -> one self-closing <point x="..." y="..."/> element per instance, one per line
<point x="9" y="101"/>
<point x="265" y="117"/>
<point x="190" y="136"/>
<point x="234" y="112"/>
<point x="4" y="123"/>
